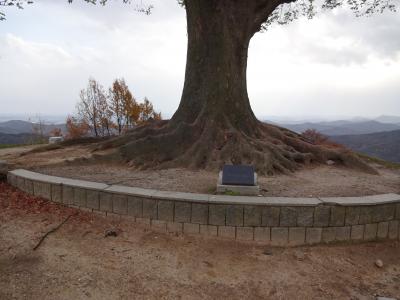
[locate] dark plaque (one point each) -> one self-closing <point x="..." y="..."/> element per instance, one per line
<point x="238" y="175"/>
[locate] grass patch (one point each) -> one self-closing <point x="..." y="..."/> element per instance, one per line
<point x="5" y="146"/>
<point x="231" y="193"/>
<point x="385" y="163"/>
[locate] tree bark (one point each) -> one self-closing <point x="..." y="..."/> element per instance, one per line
<point x="215" y="86"/>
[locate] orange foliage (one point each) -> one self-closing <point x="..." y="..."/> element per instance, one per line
<point x="76" y="128"/>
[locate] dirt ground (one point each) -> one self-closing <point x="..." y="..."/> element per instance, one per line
<point x="78" y="262"/>
<point x="314" y="181"/>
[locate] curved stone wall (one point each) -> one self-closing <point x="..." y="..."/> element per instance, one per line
<point x="271" y="220"/>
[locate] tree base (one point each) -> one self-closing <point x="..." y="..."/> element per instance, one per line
<point x="271" y="149"/>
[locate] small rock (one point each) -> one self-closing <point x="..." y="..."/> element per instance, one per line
<point x="330" y="162"/>
<point x="111" y="232"/>
<point x="384" y="298"/>
<point x="299" y="255"/>
<point x="267" y="252"/>
<point x="379" y="263"/>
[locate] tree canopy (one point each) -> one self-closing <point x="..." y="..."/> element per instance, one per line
<point x="286" y="10"/>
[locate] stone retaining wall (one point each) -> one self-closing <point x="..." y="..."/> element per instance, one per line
<point x="271" y="220"/>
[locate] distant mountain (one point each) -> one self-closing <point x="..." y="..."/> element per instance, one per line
<point x="18" y="126"/>
<point x="16" y="139"/>
<point x="388" y="119"/>
<point x="384" y="145"/>
<point x="344" y="127"/>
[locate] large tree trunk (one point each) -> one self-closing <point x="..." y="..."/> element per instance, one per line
<point x="215" y="82"/>
<point x="214" y="123"/>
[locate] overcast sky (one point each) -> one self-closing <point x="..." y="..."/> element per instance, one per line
<point x="334" y="65"/>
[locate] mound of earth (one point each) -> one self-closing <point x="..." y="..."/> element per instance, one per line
<point x="312" y="181"/>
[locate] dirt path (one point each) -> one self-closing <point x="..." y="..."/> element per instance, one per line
<point x="78" y="262"/>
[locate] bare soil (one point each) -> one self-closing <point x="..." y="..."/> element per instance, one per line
<point x="313" y="181"/>
<point x="79" y="262"/>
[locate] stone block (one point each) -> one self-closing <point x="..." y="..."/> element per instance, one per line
<point x="191" y="228"/>
<point x="313" y="235"/>
<point x="135" y="206"/>
<point x="209" y="230"/>
<point x="160" y="226"/>
<point x="297" y="236"/>
<point x="382" y="213"/>
<point x="343" y="233"/>
<point x="397" y="216"/>
<point x="80" y="197"/>
<point x="149" y="208"/>
<point x="199" y="213"/>
<point x="68" y="195"/>
<point x="174" y="227"/>
<point x="165" y="210"/>
<point x="357" y="232"/>
<point x="366" y="214"/>
<point x="338" y="214"/>
<point x="305" y="216"/>
<point x="393" y="229"/>
<point x="21" y="183"/>
<point x="106" y="203"/>
<point x="183" y="211"/>
<point x="279" y="236"/>
<point x="120" y="204"/>
<point x="245" y="233"/>
<point x="28" y="186"/>
<point x="56" y="192"/>
<point x="322" y="216"/>
<point x="92" y="199"/>
<point x="288" y="217"/>
<point x="234" y="215"/>
<point x="270" y="216"/>
<point x="227" y="231"/>
<point x="352" y="215"/>
<point x="262" y="234"/>
<point x="252" y="215"/>
<point x="383" y="230"/>
<point x="42" y="190"/>
<point x="328" y="234"/>
<point x="216" y="214"/>
<point x="370" y="231"/>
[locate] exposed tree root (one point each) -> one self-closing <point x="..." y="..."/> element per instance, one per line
<point x="270" y="149"/>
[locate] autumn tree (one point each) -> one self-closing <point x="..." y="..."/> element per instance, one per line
<point x="94" y="110"/>
<point x="214" y="123"/>
<point x="76" y="128"/>
<point x="123" y="105"/>
<point x="147" y="112"/>
<point x="126" y="111"/>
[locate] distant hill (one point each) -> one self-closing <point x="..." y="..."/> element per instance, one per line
<point x="388" y="119"/>
<point x="18" y="126"/>
<point x="384" y="145"/>
<point x="344" y="127"/>
<point x="16" y="139"/>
